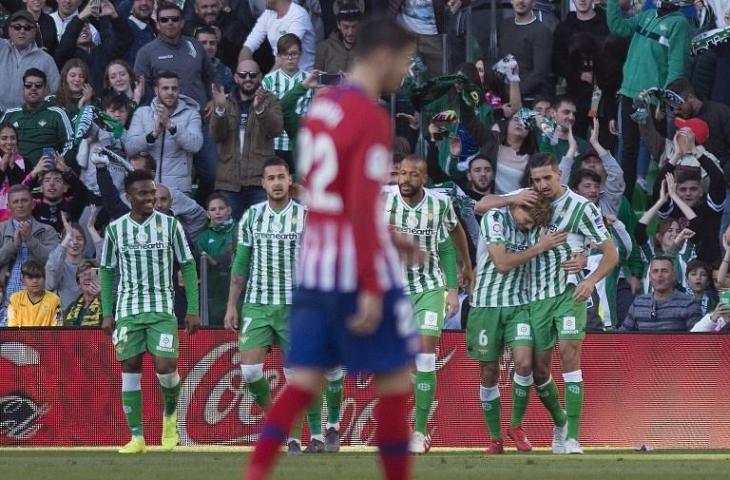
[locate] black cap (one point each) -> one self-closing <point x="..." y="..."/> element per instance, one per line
<point x="24" y="14"/>
<point x="348" y="9"/>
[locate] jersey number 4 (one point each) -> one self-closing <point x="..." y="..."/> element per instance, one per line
<point x="318" y="161"/>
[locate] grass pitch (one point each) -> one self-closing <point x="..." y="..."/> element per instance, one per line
<point x="226" y="463"/>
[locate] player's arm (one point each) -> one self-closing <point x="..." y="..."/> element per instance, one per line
<point x="239" y="271"/>
<point x="458" y="237"/>
<point x="447" y="262"/>
<point x="524" y="197"/>
<point x="591" y="225"/>
<point x="190" y="277"/>
<point x="106" y="280"/>
<point x="506" y="261"/>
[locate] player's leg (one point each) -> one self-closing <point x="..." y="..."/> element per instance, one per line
<point x="391" y="415"/>
<point x="314" y="421"/>
<point x="128" y="339"/>
<point x="491" y="401"/>
<point x="162" y="342"/>
<point x="518" y="335"/>
<point x="333" y="393"/>
<point x="257" y="332"/>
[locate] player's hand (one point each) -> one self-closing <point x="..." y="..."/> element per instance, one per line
<point x="107" y="324"/>
<point x="583" y="291"/>
<point x="369" y="314"/>
<point x="525" y="198"/>
<point x="192" y="323"/>
<point x="549" y="240"/>
<point x="576" y="264"/>
<point x="466" y="276"/>
<point x="230" y="321"/>
<point x="452" y="302"/>
<point x="408" y="249"/>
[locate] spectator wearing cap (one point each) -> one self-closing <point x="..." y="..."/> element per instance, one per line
<point x="46" y="37"/>
<point x="334" y="55"/>
<point x="280" y="17"/>
<point x="232" y="31"/>
<point x="18" y="54"/>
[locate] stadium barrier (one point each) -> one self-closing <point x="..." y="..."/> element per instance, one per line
<point x="61" y="388"/>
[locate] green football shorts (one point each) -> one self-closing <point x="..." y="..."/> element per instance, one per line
<point x="264" y="326"/>
<point x="146" y="332"/>
<point x="430" y="308"/>
<point x="557" y="318"/>
<point x="489" y="329"/>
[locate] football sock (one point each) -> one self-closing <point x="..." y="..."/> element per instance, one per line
<point x="314" y="418"/>
<point x="520" y="397"/>
<point x="132" y="402"/>
<point x="260" y="391"/>
<point x="392" y="435"/>
<point x="333" y="394"/>
<point x="573" y="401"/>
<point x="550" y="398"/>
<point x="492" y="408"/>
<point x="287" y="408"/>
<point x="425" y="388"/>
<point x="170" y="384"/>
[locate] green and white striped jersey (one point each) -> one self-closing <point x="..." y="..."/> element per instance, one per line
<point x="429" y="223"/>
<point x="274" y="241"/>
<point x="492" y="288"/>
<point x="583" y="223"/>
<point x="604" y="304"/>
<point x="143" y="253"/>
<point x="279" y="82"/>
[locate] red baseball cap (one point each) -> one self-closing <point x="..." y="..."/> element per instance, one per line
<point x="698" y="126"/>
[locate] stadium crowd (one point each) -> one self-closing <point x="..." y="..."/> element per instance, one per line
<point x="630" y="97"/>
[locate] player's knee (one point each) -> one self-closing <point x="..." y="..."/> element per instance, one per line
<point x="168" y="380"/>
<point x="252" y="373"/>
<point x="426" y="362"/>
<point x="489" y="373"/>
<point x="334" y="374"/>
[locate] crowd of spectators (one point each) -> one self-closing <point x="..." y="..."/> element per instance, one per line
<point x="203" y="92"/>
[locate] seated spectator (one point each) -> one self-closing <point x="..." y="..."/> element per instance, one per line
<point x="34" y="306"/>
<point x="73" y="94"/>
<point x="699" y="285"/>
<point x="208" y="38"/>
<point x="334" y="55"/>
<point x="22" y="238"/>
<point x="218" y="241"/>
<point x="46" y="37"/>
<point x="171" y="130"/>
<point x="40" y="126"/>
<point x="232" y="31"/>
<point x="12" y="166"/>
<point x="142" y="26"/>
<point x="63" y="262"/>
<point x="665" y="309"/>
<point x="85" y="311"/>
<point x="19" y="54"/>
<point x="119" y="78"/>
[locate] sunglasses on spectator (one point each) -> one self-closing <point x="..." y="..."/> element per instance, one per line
<point x="245" y="75"/>
<point x="290" y="55"/>
<point x="31" y="85"/>
<point x="169" y="19"/>
<point x="18" y="27"/>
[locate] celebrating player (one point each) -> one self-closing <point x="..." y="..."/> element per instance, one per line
<point x="557" y="304"/>
<point x="267" y="252"/>
<point x="429" y="218"/>
<point x="141" y="246"/>
<point x="500" y="313"/>
<point x="349" y="307"/>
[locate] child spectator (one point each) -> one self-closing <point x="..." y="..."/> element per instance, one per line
<point x="85" y="311"/>
<point x="34" y="306"/>
<point x="699" y="284"/>
<point x="209" y="38"/>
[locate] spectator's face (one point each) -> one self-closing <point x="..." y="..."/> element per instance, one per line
<point x="348" y="30"/>
<point x="34" y="6"/>
<point x="87" y="282"/>
<point x="118" y="77"/>
<point x="141" y="197"/>
<point x="589" y="189"/>
<point x="209" y="42"/>
<point x="34" y="91"/>
<point x="21" y="33"/>
<point x="661" y="275"/>
<point x="396" y="66"/>
<point x="142" y="9"/>
<point x="690" y="191"/>
<point x="480" y="70"/>
<point x="583" y="6"/>
<point x="271" y="4"/>
<point x="546" y="180"/>
<point x="666" y="239"/>
<point x="163" y="199"/>
<point x="522" y="7"/>
<point x="120" y="114"/>
<point x="686" y="110"/>
<point x="53" y="187"/>
<point x="218" y="211"/>
<point x="75" y="79"/>
<point x="698" y="280"/>
<point x="67" y="7"/>
<point x="170" y="24"/>
<point x="84" y="39"/>
<point x="565" y="115"/>
<point x="138" y="163"/>
<point x="20" y="205"/>
<point x="394" y="174"/>
<point x="8" y="141"/>
<point x="523" y="220"/>
<point x="412" y="178"/>
<point x="34" y="285"/>
<point x="480" y="175"/>
<point x="516" y="129"/>
<point x="595" y="164"/>
<point x="78" y="242"/>
<point x="277" y="182"/>
<point x="244" y="80"/>
<point x="208" y="10"/>
<point x="290" y="58"/>
<point x="168" y="91"/>
<point x="545" y="110"/>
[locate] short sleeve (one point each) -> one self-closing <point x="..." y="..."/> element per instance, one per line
<point x="109" y="249"/>
<point x="591" y="224"/>
<point x="450" y="220"/>
<point x="493" y="227"/>
<point x="245" y="237"/>
<point x="180" y="245"/>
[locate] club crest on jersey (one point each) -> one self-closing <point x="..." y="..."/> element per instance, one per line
<point x="412" y="221"/>
<point x="497" y="228"/>
<point x="141" y="237"/>
<point x="276" y="227"/>
<point x="42" y="123"/>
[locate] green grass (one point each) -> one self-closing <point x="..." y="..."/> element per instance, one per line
<point x="226" y="463"/>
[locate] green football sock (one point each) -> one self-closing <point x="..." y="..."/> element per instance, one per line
<point x="425" y="390"/>
<point x="520" y="399"/>
<point x="296" y="429"/>
<point x="492" y="409"/>
<point x="574" y="407"/>
<point x="260" y="391"/>
<point x="314" y="416"/>
<point x="170" y="396"/>
<point x="333" y="394"/>
<point x="132" y="403"/>
<point x="550" y="398"/>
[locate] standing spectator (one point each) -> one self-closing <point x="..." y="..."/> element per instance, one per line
<point x="67" y="10"/>
<point x="665" y="309"/>
<point x="46" y="37"/>
<point x="334" y="55"/>
<point x="12" y="166"/>
<point x="280" y="17"/>
<point x="208" y="38"/>
<point x="34" y="306"/>
<point x="85" y="311"/>
<point x="564" y="108"/>
<point x="143" y="27"/>
<point x="38" y="125"/>
<point x="171" y="130"/>
<point x="210" y="13"/>
<point x="531" y="43"/>
<point x="119" y="78"/>
<point x="244" y="126"/>
<point x="22" y="238"/>
<point x="699" y="285"/>
<point x="657" y="56"/>
<point x="74" y="91"/>
<point x="19" y="54"/>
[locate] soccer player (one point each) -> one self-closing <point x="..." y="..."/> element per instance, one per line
<point x="266" y="255"/>
<point x="558" y="299"/>
<point x="429" y="218"/>
<point x="500" y="313"/>
<point x="349" y="307"/>
<point x="140" y="246"/>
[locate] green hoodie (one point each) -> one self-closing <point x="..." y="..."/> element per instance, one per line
<point x="219" y="242"/>
<point x="658" y="51"/>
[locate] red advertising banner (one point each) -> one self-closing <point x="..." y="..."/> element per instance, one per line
<point x="61" y="387"/>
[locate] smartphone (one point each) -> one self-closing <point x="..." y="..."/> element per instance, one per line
<point x="94" y="275"/>
<point x="48" y="152"/>
<point x="95" y="7"/>
<point x="330" y="78"/>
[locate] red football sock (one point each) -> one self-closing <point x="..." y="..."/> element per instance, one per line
<point x="282" y="414"/>
<point x="392" y="435"/>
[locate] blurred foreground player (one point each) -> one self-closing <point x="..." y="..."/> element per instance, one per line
<point x="350" y="307"/>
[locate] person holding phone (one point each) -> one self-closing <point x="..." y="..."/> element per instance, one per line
<point x="85" y="311"/>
